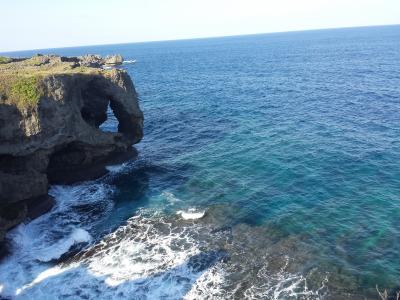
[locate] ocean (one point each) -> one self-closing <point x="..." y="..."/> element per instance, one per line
<point x="269" y="169"/>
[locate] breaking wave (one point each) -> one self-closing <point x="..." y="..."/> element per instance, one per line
<point x="152" y="256"/>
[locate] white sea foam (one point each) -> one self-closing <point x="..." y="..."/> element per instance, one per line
<point x="170" y="197"/>
<point x="52" y="234"/>
<point x="45" y="275"/>
<point x="150" y="257"/>
<point x="210" y="282"/>
<point x="282" y="285"/>
<point x="116" y="168"/>
<point x="60" y="247"/>
<point x="191" y="214"/>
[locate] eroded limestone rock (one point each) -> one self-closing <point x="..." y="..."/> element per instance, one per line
<point x="55" y="137"/>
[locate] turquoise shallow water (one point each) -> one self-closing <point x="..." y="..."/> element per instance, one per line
<point x="290" y="140"/>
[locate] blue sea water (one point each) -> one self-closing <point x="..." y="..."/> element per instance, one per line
<point x="290" y="144"/>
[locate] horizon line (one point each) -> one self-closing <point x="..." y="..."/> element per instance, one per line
<point x="198" y="38"/>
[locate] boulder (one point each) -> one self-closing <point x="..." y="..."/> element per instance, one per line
<point x="113" y="60"/>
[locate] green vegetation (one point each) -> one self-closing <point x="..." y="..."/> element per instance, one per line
<point x="21" y="81"/>
<point x="33" y="61"/>
<point x="26" y="91"/>
<point x="37" y="60"/>
<point x="5" y="60"/>
<point x="23" y="91"/>
<point x="28" y="69"/>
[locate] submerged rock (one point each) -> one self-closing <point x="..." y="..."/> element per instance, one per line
<point x="51" y="108"/>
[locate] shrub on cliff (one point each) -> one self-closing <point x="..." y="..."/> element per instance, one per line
<point x="26" y="91"/>
<point x="23" y="91"/>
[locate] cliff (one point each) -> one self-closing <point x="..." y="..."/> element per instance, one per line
<point x="51" y="108"/>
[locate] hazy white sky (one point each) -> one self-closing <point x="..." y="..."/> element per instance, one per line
<point x="35" y="24"/>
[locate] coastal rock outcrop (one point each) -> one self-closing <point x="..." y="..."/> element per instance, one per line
<point x="51" y="108"/>
<point x="113" y="59"/>
<point x="91" y="60"/>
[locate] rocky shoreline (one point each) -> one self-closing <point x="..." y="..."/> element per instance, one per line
<point x="51" y="108"/>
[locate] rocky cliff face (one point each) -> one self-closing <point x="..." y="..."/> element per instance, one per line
<point x="50" y="112"/>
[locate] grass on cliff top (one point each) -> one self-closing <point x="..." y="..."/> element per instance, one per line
<point x="41" y="65"/>
<point x="22" y="91"/>
<point x="21" y="81"/>
<point x="5" y="60"/>
<point x="30" y="69"/>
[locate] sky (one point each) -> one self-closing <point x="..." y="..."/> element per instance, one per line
<point x="40" y="24"/>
